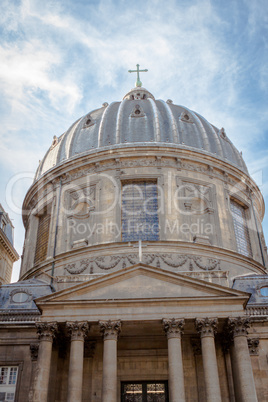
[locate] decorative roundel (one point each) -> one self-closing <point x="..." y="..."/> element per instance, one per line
<point x="20" y="296"/>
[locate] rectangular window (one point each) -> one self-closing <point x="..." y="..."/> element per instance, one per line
<point x="241" y="228"/>
<point x="42" y="238"/>
<point x="140" y="211"/>
<point x="8" y="381"/>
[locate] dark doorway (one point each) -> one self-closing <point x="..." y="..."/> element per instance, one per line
<point x="144" y="391"/>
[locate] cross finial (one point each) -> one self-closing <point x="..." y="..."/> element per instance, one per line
<point x="138" y="71"/>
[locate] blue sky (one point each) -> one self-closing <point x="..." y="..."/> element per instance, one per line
<point x="60" y="59"/>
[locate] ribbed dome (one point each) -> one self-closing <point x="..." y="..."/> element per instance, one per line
<point x="140" y="119"/>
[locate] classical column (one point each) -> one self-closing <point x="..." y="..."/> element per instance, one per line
<point x="77" y="331"/>
<point x="46" y="331"/>
<point x="207" y="329"/>
<point x="110" y="330"/>
<point x="174" y="330"/>
<point x="245" y="386"/>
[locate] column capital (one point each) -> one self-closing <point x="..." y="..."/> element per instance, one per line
<point x="238" y="326"/>
<point x="110" y="329"/>
<point x="206" y="326"/>
<point x="173" y="327"/>
<point x="253" y="346"/>
<point x="46" y="330"/>
<point x="196" y="345"/>
<point x="77" y="330"/>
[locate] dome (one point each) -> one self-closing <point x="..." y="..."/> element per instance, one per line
<point x="140" y="120"/>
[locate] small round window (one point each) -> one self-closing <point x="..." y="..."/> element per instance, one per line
<point x="264" y="291"/>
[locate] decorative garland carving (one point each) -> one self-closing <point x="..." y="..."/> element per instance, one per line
<point x="172" y="260"/>
<point x="110" y="264"/>
<point x="169" y="260"/>
<point x="212" y="263"/>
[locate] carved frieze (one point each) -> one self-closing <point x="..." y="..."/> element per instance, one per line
<point x="106" y="263"/>
<point x="81" y="201"/>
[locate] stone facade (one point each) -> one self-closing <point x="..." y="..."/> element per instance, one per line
<point x="8" y="254"/>
<point x="182" y="312"/>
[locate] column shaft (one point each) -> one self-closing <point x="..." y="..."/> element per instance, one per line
<point x="175" y="371"/>
<point x="207" y="328"/>
<point x="243" y="377"/>
<point x="110" y="330"/>
<point x="210" y="366"/>
<point x="109" y="379"/>
<point x="41" y="381"/>
<point x="174" y="329"/>
<point x="246" y="385"/>
<point x="75" y="382"/>
<point x="77" y="331"/>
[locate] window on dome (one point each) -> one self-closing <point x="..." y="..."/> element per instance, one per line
<point x="42" y="237"/>
<point x="140" y="211"/>
<point x="241" y="228"/>
<point x="8" y="381"/>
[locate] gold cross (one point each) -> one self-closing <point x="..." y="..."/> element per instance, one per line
<point x="138" y="71"/>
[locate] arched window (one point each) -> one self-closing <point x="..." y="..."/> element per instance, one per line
<point x="42" y="237"/>
<point x="241" y="228"/>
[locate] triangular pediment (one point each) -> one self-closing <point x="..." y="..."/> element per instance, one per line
<point x="142" y="282"/>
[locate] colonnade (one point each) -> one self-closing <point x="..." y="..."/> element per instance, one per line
<point x="207" y="327"/>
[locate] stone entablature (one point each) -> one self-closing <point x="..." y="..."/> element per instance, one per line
<point x="90" y="262"/>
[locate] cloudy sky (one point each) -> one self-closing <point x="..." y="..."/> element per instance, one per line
<point x="60" y="59"/>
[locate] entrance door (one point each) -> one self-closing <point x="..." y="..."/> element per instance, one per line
<point x="144" y="391"/>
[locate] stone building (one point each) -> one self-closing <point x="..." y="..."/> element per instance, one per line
<point x="144" y="269"/>
<point x="8" y="254"/>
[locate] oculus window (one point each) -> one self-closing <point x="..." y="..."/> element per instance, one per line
<point x="241" y="228"/>
<point x="264" y="291"/>
<point x="140" y="211"/>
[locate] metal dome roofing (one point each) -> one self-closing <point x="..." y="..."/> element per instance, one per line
<point x="140" y="120"/>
